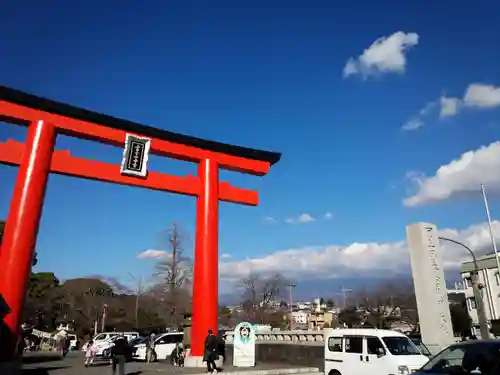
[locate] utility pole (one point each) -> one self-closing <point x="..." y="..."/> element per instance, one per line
<point x="138" y="292"/>
<point x="104" y="314"/>
<point x="493" y="242"/>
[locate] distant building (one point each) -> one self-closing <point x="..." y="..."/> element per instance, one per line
<point x="302" y="305"/>
<point x="300" y="317"/>
<point x="489" y="278"/>
<point x="318" y="319"/>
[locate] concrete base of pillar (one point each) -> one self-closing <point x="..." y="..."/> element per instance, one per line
<point x="10" y="368"/>
<point x="194" y="361"/>
<point x="197" y="361"/>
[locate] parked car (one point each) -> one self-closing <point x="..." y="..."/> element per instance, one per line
<point x="164" y="346"/>
<point x="370" y="351"/>
<point x="106" y="336"/>
<point x="105" y="340"/>
<point x="100" y="338"/>
<point x="480" y="357"/>
<point x="106" y="351"/>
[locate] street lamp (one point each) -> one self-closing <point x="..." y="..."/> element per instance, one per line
<point x="290" y="286"/>
<point x="478" y="296"/>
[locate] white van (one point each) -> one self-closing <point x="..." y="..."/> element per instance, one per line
<point x="104" y="336"/>
<point x="353" y="351"/>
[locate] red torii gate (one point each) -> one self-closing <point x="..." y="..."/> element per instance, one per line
<point x="37" y="158"/>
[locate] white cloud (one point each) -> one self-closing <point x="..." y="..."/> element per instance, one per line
<point x="385" y="55"/>
<point x="413" y="124"/>
<point x="477" y="95"/>
<point x="152" y="254"/>
<point x="226" y="256"/>
<point x="418" y="121"/>
<point x="460" y="177"/>
<point x="449" y="106"/>
<point x="270" y="220"/>
<point x="429" y="107"/>
<point x="482" y="96"/>
<point x="328" y="216"/>
<point x="302" y="219"/>
<point x="306" y="218"/>
<point x="363" y="259"/>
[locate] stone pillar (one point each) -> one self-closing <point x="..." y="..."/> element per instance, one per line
<point x="430" y="286"/>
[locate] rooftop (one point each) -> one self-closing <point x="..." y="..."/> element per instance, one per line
<point x="487" y="261"/>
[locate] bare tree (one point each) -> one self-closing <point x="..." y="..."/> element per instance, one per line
<point x="407" y="302"/>
<point x="175" y="275"/>
<point x="389" y="303"/>
<point x="261" y="295"/>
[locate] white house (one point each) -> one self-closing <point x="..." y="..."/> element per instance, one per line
<point x="300" y="317"/>
<point x="489" y="278"/>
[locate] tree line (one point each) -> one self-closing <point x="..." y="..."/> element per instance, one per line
<point x="81" y="301"/>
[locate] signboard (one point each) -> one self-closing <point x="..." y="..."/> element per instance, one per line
<point x="135" y="156"/>
<point x="41" y="334"/>
<point x="244" y="345"/>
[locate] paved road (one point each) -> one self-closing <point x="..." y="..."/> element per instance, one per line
<point x="73" y="364"/>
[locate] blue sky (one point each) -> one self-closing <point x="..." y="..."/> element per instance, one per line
<point x="266" y="75"/>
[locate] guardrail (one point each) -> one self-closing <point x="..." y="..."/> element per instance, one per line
<point x="285" y="337"/>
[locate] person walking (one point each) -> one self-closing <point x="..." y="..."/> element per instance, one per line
<point x="67" y="344"/>
<point x="150" y="350"/>
<point x="118" y="353"/>
<point x="61" y="345"/>
<point x="90" y="354"/>
<point x="210" y="354"/>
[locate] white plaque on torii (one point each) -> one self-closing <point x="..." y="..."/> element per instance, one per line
<point x="135" y="156"/>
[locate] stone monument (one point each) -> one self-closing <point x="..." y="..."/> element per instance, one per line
<point x="430" y="286"/>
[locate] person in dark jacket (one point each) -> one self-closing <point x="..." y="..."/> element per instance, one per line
<point x="118" y="353"/>
<point x="210" y="354"/>
<point x="221" y="346"/>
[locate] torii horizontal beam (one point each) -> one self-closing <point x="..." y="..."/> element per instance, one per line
<point x="64" y="163"/>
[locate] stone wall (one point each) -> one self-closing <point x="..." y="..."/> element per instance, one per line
<point x="289" y="354"/>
